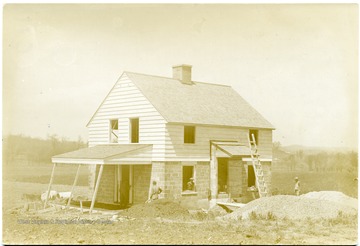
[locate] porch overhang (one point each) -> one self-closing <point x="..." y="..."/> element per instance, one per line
<point x="235" y="149"/>
<point x="108" y="154"/>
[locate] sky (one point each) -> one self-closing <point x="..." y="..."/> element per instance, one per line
<point x="297" y="64"/>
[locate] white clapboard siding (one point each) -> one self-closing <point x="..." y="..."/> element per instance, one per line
<point x="175" y="148"/>
<point x="126" y="101"/>
<point x="265" y="142"/>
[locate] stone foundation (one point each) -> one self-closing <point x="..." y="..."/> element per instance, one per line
<point x="107" y="182"/>
<point x="141" y="183"/>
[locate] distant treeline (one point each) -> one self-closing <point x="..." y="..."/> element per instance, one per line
<point x="321" y="161"/>
<point x="22" y="148"/>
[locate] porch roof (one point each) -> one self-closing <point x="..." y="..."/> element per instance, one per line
<point x="106" y="154"/>
<point x="233" y="149"/>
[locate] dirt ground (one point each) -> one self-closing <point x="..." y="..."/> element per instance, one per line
<point x="164" y="222"/>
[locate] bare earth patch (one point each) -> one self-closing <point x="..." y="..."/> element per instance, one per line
<point x="163" y="222"/>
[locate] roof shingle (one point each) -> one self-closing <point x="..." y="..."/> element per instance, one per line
<point x="102" y="151"/>
<point x="200" y="103"/>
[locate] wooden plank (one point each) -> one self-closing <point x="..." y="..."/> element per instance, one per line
<point x="115" y="184"/>
<point x="232" y="204"/>
<point x="50" y="183"/>
<point x="229" y="207"/>
<point x="74" y="184"/>
<point x="131" y="184"/>
<point x="96" y="188"/>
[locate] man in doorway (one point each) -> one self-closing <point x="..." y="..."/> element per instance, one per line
<point x="191" y="184"/>
<point x="297" y="186"/>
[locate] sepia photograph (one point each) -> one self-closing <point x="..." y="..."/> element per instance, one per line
<point x="180" y="123"/>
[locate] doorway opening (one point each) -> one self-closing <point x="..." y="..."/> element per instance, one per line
<point x="251" y="176"/>
<point x="123" y="185"/>
<point x="222" y="175"/>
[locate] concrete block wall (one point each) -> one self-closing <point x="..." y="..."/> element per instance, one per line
<point x="173" y="180"/>
<point x="158" y="174"/>
<point x="235" y="167"/>
<point x="169" y="178"/>
<point x="246" y="195"/>
<point x="266" y="165"/>
<point x="202" y="179"/>
<point x="92" y="176"/>
<point x="244" y="180"/>
<point x="141" y="183"/>
<point x="106" y="188"/>
<point x="267" y="175"/>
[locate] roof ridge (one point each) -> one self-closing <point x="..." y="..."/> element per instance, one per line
<point x="151" y="75"/>
<point x="196" y="82"/>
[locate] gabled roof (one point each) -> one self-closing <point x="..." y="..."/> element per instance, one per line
<point x="100" y="152"/>
<point x="200" y="103"/>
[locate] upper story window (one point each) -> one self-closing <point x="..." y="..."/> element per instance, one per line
<point x="189" y="134"/>
<point x="134" y="130"/>
<point x="114" y="131"/>
<point x="256" y="133"/>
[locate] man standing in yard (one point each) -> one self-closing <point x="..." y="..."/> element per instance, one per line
<point x="297" y="186"/>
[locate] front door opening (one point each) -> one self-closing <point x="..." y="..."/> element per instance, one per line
<point x="123" y="183"/>
<point x="251" y="176"/>
<point x="222" y="175"/>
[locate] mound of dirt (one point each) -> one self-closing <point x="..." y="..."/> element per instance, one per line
<point x="334" y="196"/>
<point x="291" y="207"/>
<point x="162" y="208"/>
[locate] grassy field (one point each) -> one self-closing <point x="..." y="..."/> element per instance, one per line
<point x="314" y="181"/>
<point x="40" y="173"/>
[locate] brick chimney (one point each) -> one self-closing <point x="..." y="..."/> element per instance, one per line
<point x="182" y="73"/>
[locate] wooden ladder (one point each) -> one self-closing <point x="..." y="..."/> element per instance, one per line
<point x="258" y="170"/>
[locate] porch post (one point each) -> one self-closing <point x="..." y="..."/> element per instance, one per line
<point x="96" y="188"/>
<point x="50" y="183"/>
<point x="75" y="181"/>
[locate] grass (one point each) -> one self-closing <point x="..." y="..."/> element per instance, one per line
<point x="264" y="217"/>
<point x="341" y="218"/>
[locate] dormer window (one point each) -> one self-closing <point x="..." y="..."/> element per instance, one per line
<point x="114" y="131"/>
<point x="189" y="134"/>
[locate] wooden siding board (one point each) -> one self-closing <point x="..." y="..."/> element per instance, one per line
<point x="123" y="102"/>
<point x="175" y="148"/>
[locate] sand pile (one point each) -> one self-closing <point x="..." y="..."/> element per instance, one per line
<point x="163" y="208"/>
<point x="293" y="207"/>
<point x="334" y="196"/>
